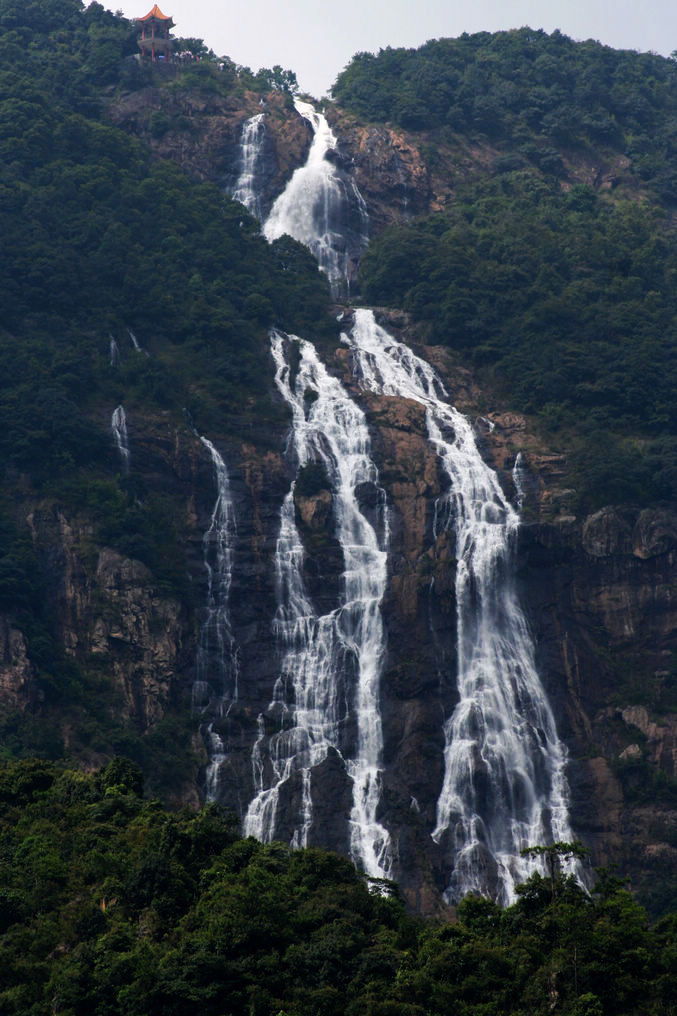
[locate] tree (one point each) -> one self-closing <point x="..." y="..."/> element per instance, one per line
<point x="554" y="854"/>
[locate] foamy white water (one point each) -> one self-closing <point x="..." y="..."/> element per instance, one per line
<point x="327" y="696"/>
<point x="317" y="204"/>
<point x="246" y="188"/>
<point x="217" y="666"/>
<point x="504" y="767"/>
<point x="119" y="427"/>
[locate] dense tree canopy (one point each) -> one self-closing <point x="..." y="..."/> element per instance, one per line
<point x="98" y="239"/>
<point x="109" y="905"/>
<point x="567" y="303"/>
<point x="562" y="295"/>
<point x="533" y="92"/>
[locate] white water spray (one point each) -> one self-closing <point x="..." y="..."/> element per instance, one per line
<point x="317" y="205"/>
<point x="251" y="151"/>
<point x="518" y="479"/>
<point x="114" y="353"/>
<point x="119" y="427"/>
<point x="504" y="783"/>
<point x="135" y="342"/>
<point x="326" y="698"/>
<point x="217" y="666"/>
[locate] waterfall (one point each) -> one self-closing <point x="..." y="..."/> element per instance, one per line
<point x="326" y="698"/>
<point x="504" y="783"/>
<point x="114" y="353"/>
<point x="135" y="342"/>
<point x="518" y="479"/>
<point x="251" y="147"/>
<point x="217" y="667"/>
<point x="119" y="427"/>
<point x="322" y="207"/>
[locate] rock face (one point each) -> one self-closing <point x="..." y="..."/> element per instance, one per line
<point x="599" y="592"/>
<point x="389" y="170"/>
<point x="201" y="132"/>
<point x="17" y="686"/>
<point x="137" y="623"/>
<point x="109" y="611"/>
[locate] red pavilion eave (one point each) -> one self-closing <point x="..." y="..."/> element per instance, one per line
<point x="155" y="12"/>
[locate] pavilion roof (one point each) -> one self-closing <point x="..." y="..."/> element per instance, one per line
<point x="155" y="13"/>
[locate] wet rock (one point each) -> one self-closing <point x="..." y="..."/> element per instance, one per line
<point x="201" y="132"/>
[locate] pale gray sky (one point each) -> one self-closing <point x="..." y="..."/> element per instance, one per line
<point x="316" y="39"/>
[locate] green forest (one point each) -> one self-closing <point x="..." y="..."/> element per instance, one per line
<point x="111" y="905"/>
<point x="566" y="305"/>
<point x="98" y="239"/>
<point x="559" y="293"/>
<point x="531" y="93"/>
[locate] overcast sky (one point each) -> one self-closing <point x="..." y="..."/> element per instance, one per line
<point x="316" y="39"/>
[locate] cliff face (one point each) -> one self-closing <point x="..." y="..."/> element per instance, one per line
<point x="127" y="643"/>
<point x="110" y="614"/>
<point x="599" y="591"/>
<point x="600" y="596"/>
<point x="201" y="131"/>
<point x="403" y="174"/>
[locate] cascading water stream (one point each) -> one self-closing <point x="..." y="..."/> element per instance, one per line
<point x="518" y="479"/>
<point x="217" y="667"/>
<point x="135" y="342"/>
<point x="118" y="425"/>
<point x="251" y="150"/>
<point x="321" y="207"/>
<point x="326" y="698"/>
<point x="504" y="782"/>
<point x="114" y="352"/>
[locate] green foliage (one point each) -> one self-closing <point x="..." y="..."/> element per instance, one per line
<point x="98" y="239"/>
<point x="563" y="301"/>
<point x="529" y="92"/>
<point x="196" y="47"/>
<point x="311" y="479"/>
<point x="110" y="905"/>
<point x="121" y="776"/>
<point x="270" y="80"/>
<point x="172" y="914"/>
<point x="566" y="304"/>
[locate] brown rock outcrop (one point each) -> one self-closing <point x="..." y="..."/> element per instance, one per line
<point x="388" y="169"/>
<point x="17" y="685"/>
<point x="111" y="612"/>
<point x="140" y="633"/>
<point x="314" y="511"/>
<point x="200" y="131"/>
<point x="408" y="470"/>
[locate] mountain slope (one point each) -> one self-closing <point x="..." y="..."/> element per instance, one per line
<point x="549" y="278"/>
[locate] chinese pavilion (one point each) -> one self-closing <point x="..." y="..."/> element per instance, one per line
<point x="154" y="42"/>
